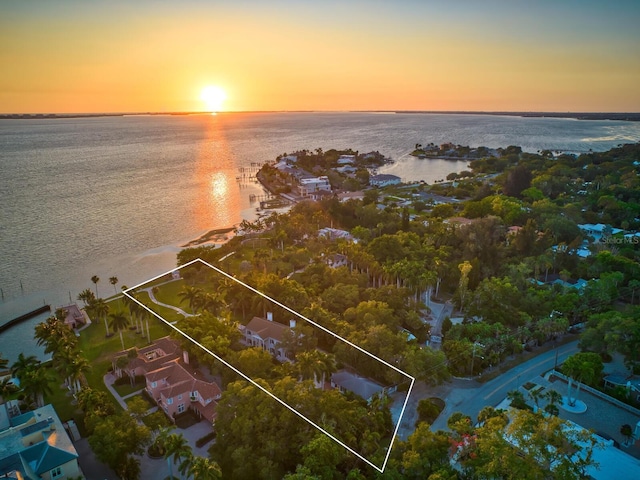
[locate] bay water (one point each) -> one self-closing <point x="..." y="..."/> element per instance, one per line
<point x="119" y="196"/>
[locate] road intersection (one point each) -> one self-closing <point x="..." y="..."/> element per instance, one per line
<point x="469" y="396"/>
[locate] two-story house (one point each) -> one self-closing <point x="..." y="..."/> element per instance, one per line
<point x="176" y="390"/>
<point x="139" y="361"/>
<point x="169" y="379"/>
<point x="35" y="446"/>
<point x="266" y="334"/>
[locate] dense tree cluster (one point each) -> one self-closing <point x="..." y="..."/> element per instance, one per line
<point x="508" y="268"/>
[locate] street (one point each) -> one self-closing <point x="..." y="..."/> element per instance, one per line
<point x="469" y="396"/>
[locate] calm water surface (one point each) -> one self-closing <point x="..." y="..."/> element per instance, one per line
<point x="117" y="196"/>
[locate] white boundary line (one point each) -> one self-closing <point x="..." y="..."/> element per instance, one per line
<point x="404" y="406"/>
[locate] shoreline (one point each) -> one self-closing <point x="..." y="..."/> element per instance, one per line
<point x="215" y="236"/>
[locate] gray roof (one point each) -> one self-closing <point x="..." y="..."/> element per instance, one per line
<point x="362" y="386"/>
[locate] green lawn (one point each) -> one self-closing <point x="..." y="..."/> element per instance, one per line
<point x="169" y="294"/>
<point x="166" y="313"/>
<point x="127" y="389"/>
<point x="99" y="350"/>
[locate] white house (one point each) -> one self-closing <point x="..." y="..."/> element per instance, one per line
<point x="266" y="334"/>
<point x="307" y="186"/>
<point x="346" y="160"/>
<point x="35" y="445"/>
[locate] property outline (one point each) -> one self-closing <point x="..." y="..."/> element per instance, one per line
<point x="350" y="449"/>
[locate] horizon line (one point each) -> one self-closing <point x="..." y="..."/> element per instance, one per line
<point x="387" y="111"/>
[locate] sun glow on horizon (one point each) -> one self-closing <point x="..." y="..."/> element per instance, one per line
<point x="213" y="98"/>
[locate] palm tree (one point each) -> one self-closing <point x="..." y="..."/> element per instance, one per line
<point x="315" y="364"/>
<point x="95" y="279"/>
<point x="54" y="335"/>
<point x="192" y="295"/>
<point x="583" y="367"/>
<point x="73" y="366"/>
<point x="553" y="398"/>
<point x="101" y="309"/>
<point x="308" y="365"/>
<point x="535" y="395"/>
<point x="176" y="447"/>
<point x="113" y="281"/>
<point x="212" y="302"/>
<point x="129" y="469"/>
<point x="119" y="322"/>
<point x="22" y="365"/>
<point x="36" y="383"/>
<point x="200" y="468"/>
<point x="86" y="296"/>
<point x="7" y="387"/>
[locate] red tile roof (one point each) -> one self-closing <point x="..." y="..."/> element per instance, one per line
<point x="180" y="381"/>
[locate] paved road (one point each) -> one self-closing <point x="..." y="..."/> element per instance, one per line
<point x="469" y="396"/>
<point x="471" y="400"/>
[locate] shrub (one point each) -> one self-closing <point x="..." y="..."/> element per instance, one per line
<point x="206" y="439"/>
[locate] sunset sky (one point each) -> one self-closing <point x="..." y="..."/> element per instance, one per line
<point x="557" y="55"/>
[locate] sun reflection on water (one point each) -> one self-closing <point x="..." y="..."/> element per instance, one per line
<point x="218" y="201"/>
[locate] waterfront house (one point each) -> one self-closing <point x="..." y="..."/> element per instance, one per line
<point x="35" y="446"/>
<point x="169" y="379"/>
<point x="140" y="361"/>
<point x="74" y="317"/>
<point x="176" y="390"/>
<point x="346" y="160"/>
<point x="309" y="185"/>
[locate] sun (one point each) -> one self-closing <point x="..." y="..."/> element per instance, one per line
<point x="213" y="97"/>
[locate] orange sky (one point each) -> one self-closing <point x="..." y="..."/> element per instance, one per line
<point x="72" y="56"/>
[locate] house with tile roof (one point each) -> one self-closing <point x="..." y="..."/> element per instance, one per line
<point x="36" y="446"/>
<point x="176" y="390"/>
<point x="142" y="360"/>
<point x="169" y="378"/>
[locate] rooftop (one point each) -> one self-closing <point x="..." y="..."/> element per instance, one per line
<point x="266" y="328"/>
<point x="52" y="448"/>
<point x="362" y="386"/>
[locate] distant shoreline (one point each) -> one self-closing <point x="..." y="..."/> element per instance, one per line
<point x="619" y="116"/>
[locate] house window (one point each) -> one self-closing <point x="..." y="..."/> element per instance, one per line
<point x="181" y="408"/>
<point x="154" y="384"/>
<point x="169" y="401"/>
<point x="56" y="472"/>
<point x="180" y="397"/>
